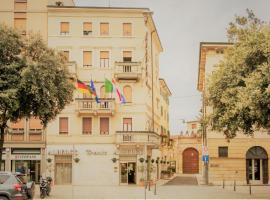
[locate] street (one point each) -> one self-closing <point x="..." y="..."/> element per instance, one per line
<point x="164" y="191"/>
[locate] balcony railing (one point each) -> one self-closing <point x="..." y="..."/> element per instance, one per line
<point x="128" y="70"/>
<point x="90" y="106"/>
<point x="137" y="137"/>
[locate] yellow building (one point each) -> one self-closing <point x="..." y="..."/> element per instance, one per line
<point x="244" y="158"/>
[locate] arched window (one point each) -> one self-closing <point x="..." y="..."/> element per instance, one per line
<point x="128" y="93"/>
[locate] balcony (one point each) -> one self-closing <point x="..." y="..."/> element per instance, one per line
<point x="90" y="106"/>
<point x="137" y="137"/>
<point x="128" y="71"/>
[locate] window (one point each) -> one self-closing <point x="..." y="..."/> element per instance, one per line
<point x="87" y="125"/>
<point x="102" y="92"/>
<point x="127" y="124"/>
<point x="127" y="28"/>
<point x="127" y="56"/>
<point x="193" y="126"/>
<point x="87" y="58"/>
<point x="66" y="55"/>
<point x="87" y="28"/>
<point x="20" y="22"/>
<point x="64" y="28"/>
<point x="20" y="6"/>
<point x="63" y="125"/>
<point x="104" y="59"/>
<point x="18" y="127"/>
<point x="222" y="151"/>
<point x="104" y="28"/>
<point x="104" y="126"/>
<point x="35" y="125"/>
<point x="128" y="93"/>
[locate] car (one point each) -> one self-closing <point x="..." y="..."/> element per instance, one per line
<point x="11" y="187"/>
<point x="30" y="185"/>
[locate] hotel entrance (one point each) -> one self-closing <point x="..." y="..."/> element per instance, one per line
<point x="127" y="173"/>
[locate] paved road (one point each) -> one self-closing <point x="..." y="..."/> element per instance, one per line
<point x="182" y="180"/>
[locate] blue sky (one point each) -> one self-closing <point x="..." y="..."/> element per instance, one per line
<point x="182" y="25"/>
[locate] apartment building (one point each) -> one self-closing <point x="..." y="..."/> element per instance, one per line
<point x="244" y="158"/>
<point x="92" y="143"/>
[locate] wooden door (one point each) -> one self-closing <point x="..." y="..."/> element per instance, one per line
<point x="190" y="161"/>
<point x="63" y="170"/>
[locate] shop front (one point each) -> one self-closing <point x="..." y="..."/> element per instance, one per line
<point x="28" y="162"/>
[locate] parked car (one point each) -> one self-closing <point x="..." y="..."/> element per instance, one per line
<point x="14" y="186"/>
<point x="11" y="187"/>
<point x="30" y="185"/>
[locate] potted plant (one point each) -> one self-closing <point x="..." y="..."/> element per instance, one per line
<point x="76" y="160"/>
<point x="49" y="160"/>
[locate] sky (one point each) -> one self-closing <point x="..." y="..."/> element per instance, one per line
<point x="182" y="25"/>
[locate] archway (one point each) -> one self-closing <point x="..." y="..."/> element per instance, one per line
<point x="257" y="165"/>
<point x="190" y="161"/>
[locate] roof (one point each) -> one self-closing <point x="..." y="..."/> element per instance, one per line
<point x="204" y="46"/>
<point x="164" y="86"/>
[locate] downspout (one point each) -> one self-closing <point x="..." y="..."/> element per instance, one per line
<point x="152" y="66"/>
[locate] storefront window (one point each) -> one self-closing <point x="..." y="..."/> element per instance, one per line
<point x="3" y="165"/>
<point x="31" y="168"/>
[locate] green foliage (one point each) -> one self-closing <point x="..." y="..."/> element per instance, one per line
<point x="34" y="80"/>
<point x="239" y="90"/>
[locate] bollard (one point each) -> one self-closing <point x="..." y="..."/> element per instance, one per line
<point x="223" y="183"/>
<point x="250" y="189"/>
<point x="234" y="185"/>
<point x="155" y="189"/>
<point x="145" y="186"/>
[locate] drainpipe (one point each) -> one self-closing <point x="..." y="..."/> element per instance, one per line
<point x="152" y="66"/>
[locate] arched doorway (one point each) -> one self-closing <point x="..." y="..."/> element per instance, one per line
<point x="257" y="165"/>
<point x="190" y="161"/>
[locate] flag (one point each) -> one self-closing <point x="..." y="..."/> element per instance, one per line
<point x="108" y="86"/>
<point x="123" y="99"/>
<point x="118" y="93"/>
<point x="93" y="90"/>
<point x="82" y="87"/>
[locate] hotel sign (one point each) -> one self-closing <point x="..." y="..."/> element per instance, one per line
<point x="62" y="151"/>
<point x="96" y="153"/>
<point x="25" y="157"/>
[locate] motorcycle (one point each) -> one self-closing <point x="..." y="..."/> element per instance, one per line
<point x="45" y="187"/>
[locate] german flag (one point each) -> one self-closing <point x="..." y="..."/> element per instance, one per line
<point x="83" y="88"/>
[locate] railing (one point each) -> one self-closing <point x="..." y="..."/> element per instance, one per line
<point x="128" y="70"/>
<point x="145" y="137"/>
<point x="22" y="135"/>
<point x="90" y="106"/>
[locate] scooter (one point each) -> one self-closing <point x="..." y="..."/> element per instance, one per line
<point x="45" y="187"/>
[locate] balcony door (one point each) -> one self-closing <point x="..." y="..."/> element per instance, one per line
<point x="127" y="124"/>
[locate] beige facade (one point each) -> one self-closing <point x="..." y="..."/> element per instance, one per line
<point x="112" y="43"/>
<point x="93" y="143"/>
<point x="244" y="158"/>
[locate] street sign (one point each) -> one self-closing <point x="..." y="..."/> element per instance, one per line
<point x="205" y="158"/>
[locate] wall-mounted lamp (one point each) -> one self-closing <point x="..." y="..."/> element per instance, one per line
<point x="76" y="160"/>
<point x="114" y="160"/>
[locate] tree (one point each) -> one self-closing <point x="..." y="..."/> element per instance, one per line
<point x="34" y="80"/>
<point x="239" y="90"/>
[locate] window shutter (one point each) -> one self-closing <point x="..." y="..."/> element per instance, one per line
<point x="20" y="24"/>
<point x="20" y="6"/>
<point x="104" y="28"/>
<point x="35" y="123"/>
<point x="104" y="55"/>
<point x="104" y="126"/>
<point x="87" y="125"/>
<point x="87" y="58"/>
<point x="18" y="125"/>
<point x="128" y="93"/>
<point x="64" y="27"/>
<point x="63" y="125"/>
<point x="87" y="26"/>
<point x="127" y="28"/>
<point x="20" y="15"/>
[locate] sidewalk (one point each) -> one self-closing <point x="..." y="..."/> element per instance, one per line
<point x="163" y="192"/>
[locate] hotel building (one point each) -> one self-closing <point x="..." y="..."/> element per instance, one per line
<point x="92" y="143"/>
<point x="243" y="159"/>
